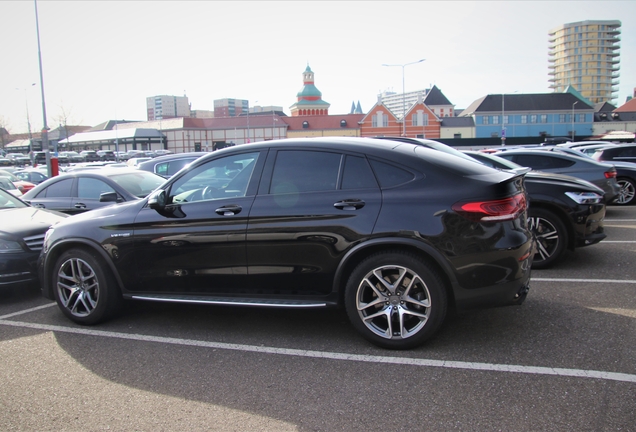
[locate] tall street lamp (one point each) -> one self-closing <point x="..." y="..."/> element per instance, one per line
<point x="403" y="92"/>
<point x="573" y="119"/>
<point x="503" y="119"/>
<point x="45" y="127"/>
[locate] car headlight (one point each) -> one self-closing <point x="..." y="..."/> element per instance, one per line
<point x="585" y="197"/>
<point x="8" y="246"/>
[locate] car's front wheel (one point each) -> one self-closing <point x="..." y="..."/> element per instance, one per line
<point x="551" y="235"/>
<point x="84" y="288"/>
<point x="627" y="192"/>
<point x="395" y="300"/>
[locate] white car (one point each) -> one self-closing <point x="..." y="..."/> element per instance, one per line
<point x="133" y="162"/>
<point x="7" y="184"/>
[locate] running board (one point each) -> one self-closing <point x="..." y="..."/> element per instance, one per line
<point x="230" y="301"/>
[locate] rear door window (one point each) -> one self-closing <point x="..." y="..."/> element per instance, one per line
<point x="305" y="171"/>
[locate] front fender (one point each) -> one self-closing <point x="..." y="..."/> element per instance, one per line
<point x="50" y="255"/>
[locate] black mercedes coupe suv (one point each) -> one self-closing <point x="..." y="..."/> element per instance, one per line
<point x="395" y="232"/>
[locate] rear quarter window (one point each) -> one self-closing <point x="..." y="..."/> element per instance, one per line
<point x="390" y="175"/>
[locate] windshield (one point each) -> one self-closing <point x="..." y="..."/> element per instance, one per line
<point x="9" y="175"/>
<point x="8" y="201"/>
<point x="139" y="183"/>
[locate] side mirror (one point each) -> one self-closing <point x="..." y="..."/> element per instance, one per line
<point x="157" y="200"/>
<point x="109" y="197"/>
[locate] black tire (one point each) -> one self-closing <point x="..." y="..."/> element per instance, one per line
<point x="376" y="305"/>
<point x="627" y="193"/>
<point x="84" y="288"/>
<point x="551" y="235"/>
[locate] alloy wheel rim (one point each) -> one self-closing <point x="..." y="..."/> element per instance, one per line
<point x="627" y="192"/>
<point x="78" y="287"/>
<point x="393" y="302"/>
<point x="547" y="237"/>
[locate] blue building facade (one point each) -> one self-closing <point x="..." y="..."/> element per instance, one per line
<point x="531" y="115"/>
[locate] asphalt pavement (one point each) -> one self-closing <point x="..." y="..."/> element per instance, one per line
<point x="565" y="360"/>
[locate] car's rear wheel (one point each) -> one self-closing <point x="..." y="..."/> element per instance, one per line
<point x="627" y="193"/>
<point x="84" y="288"/>
<point x="551" y="235"/>
<point x="395" y="300"/>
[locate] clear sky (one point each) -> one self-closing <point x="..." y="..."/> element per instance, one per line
<point x="101" y="59"/>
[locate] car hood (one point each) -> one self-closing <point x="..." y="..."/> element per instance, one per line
<point x="28" y="220"/>
<point x="544" y="177"/>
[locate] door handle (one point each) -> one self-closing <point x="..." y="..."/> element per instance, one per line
<point x="229" y="210"/>
<point x="39" y="206"/>
<point x="349" y="204"/>
<point x="80" y="206"/>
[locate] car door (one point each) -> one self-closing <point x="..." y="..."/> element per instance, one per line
<point x="197" y="246"/>
<point x="56" y="196"/>
<point x="88" y="192"/>
<point x="312" y="206"/>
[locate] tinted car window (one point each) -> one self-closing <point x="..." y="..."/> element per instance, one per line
<point x="390" y="175"/>
<point x="357" y="174"/>
<point x="58" y="189"/>
<point x="540" y="162"/>
<point x="305" y="171"/>
<point x="90" y="188"/>
<point x="171" y="168"/>
<point x="218" y="178"/>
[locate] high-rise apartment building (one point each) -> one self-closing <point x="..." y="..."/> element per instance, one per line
<point x="585" y="55"/>
<point x="164" y="107"/>
<point x="230" y="107"/>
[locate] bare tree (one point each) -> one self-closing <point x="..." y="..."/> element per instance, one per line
<point x="4" y="133"/>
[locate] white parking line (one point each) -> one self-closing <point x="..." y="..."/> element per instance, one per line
<point x="22" y="312"/>
<point x="535" y="370"/>
<point x="610" y="281"/>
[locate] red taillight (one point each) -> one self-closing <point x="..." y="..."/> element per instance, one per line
<point x="610" y="174"/>
<point x="492" y="211"/>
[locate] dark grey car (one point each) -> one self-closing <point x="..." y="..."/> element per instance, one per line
<point x="601" y="174"/>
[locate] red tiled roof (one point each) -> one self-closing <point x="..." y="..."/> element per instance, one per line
<point x="629" y="106"/>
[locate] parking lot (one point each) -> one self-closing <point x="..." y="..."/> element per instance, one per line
<point x="565" y="360"/>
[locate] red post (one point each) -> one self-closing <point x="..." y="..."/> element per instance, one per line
<point x="55" y="166"/>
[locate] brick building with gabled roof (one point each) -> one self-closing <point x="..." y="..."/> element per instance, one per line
<point x="421" y="121"/>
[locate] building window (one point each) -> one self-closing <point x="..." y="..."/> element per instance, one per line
<point x="505" y="119"/>
<point x="380" y="120"/>
<point x="581" y="118"/>
<point x="544" y="118"/>
<point x="419" y="119"/>
<point x="484" y="120"/>
<point x="495" y="119"/>
<point x="533" y="118"/>
<point x="561" y="118"/>
<point x="524" y="119"/>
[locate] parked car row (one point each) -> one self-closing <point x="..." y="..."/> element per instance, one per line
<point x="395" y="230"/>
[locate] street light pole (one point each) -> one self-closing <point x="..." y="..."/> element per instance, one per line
<point x="45" y="128"/>
<point x="573" y="119"/>
<point x="503" y="124"/>
<point x="503" y="120"/>
<point x="404" y="92"/>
